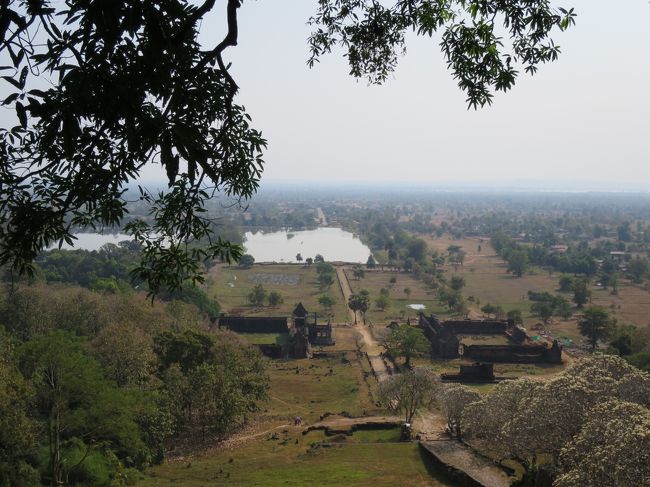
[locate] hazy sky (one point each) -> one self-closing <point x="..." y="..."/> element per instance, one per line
<point x="582" y="118"/>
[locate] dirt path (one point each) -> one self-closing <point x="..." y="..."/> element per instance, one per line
<point x="428" y="425"/>
<point x="370" y="345"/>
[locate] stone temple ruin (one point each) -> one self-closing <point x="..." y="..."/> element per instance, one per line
<point x="473" y="373"/>
<point x="302" y="333"/>
<point x="487" y="341"/>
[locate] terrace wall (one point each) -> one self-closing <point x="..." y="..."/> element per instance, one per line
<point x="254" y="324"/>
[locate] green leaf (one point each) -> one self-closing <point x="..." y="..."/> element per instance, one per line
<point x="12" y="81"/>
<point x="11" y="98"/>
<point x="22" y="114"/>
<point x="23" y="77"/>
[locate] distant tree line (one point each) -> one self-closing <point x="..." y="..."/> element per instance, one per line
<point x="109" y="270"/>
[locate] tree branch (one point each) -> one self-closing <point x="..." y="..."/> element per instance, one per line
<point x="229" y="41"/>
<point x="195" y="17"/>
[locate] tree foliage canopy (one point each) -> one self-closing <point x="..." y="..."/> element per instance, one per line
<point x="373" y="36"/>
<point x="595" y="325"/>
<point x="613" y="448"/>
<point x="408" y="392"/>
<point x="129" y="85"/>
<point x="453" y="400"/>
<point x="406" y="341"/>
<point x="589" y="420"/>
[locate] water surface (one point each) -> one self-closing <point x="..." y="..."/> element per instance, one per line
<point x="93" y="241"/>
<point x="334" y="244"/>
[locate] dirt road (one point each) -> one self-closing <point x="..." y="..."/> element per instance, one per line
<point x="370" y="345"/>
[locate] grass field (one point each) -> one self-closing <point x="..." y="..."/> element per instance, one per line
<point x="295" y="460"/>
<point x="284" y="456"/>
<point x="398" y="310"/>
<point x="231" y="285"/>
<point x="345" y="337"/>
<point x="486" y="279"/>
<point x="310" y="388"/>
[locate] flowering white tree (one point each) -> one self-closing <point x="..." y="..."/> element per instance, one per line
<point x="453" y="399"/>
<point x="635" y="387"/>
<point x="522" y="419"/>
<point x="595" y="367"/>
<point x="630" y="384"/>
<point x="486" y="419"/>
<point x="550" y="417"/>
<point x="612" y="448"/>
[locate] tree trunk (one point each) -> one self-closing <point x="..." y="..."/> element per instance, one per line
<point x="54" y="428"/>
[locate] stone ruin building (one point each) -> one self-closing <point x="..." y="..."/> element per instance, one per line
<point x="487" y="341"/>
<point x="303" y="332"/>
<point x="476" y="373"/>
<point x="319" y="335"/>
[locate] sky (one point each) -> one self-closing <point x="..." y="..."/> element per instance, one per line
<point x="582" y="121"/>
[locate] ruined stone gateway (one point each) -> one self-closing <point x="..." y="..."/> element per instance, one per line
<point x="304" y="332"/>
<point x="486" y="341"/>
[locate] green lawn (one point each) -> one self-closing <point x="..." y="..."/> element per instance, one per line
<point x="484" y="339"/>
<point x="294" y="460"/>
<point x="377" y="435"/>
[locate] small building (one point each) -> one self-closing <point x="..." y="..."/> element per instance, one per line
<point x="321" y="335"/>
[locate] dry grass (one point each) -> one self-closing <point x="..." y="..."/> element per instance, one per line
<point x="631" y="305"/>
<point x="486" y="279"/>
<point x="279" y="454"/>
<point x="230" y="286"/>
<point x="398" y="310"/>
<point x="346" y="338"/>
<point x="310" y="388"/>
